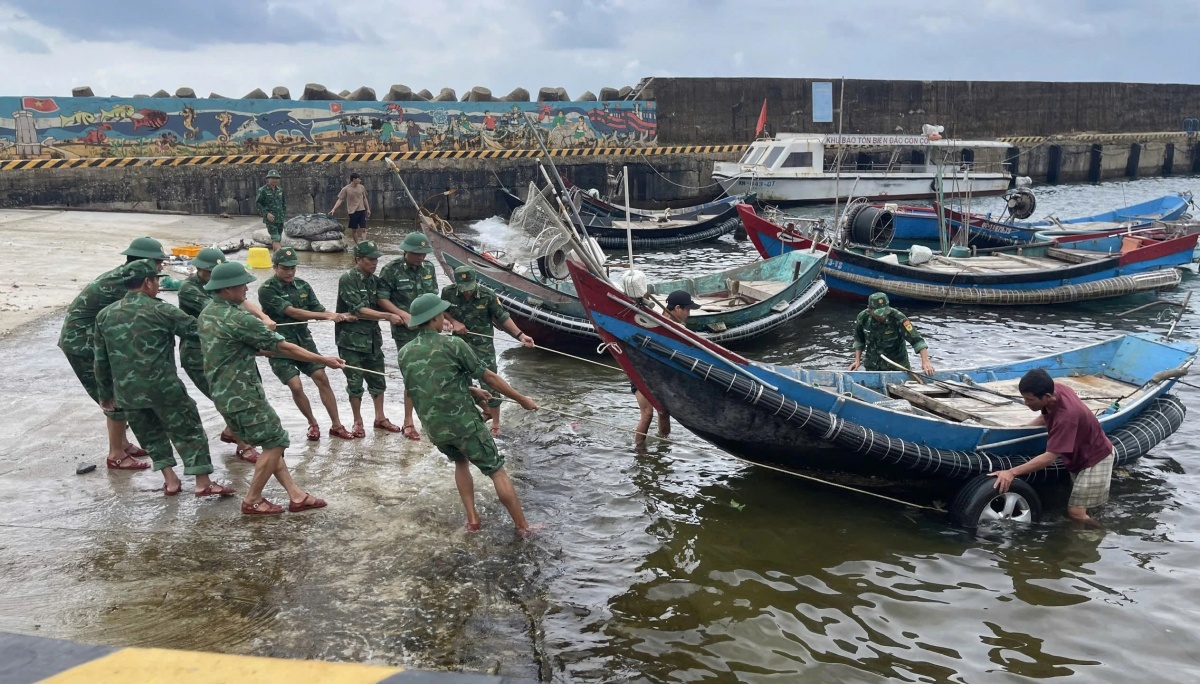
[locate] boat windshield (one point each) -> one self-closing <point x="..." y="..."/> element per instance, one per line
<point x="773" y="156"/>
<point x="753" y="155"/>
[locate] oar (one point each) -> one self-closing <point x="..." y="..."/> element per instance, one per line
<point x="903" y="368"/>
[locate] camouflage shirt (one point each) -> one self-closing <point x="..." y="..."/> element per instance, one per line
<point x="481" y="314"/>
<point x="886" y="337"/>
<point x="135" y="352"/>
<point x="437" y="371"/>
<point x="401" y="284"/>
<point x="192" y="299"/>
<point x="355" y="291"/>
<point x="275" y="296"/>
<point x="269" y="201"/>
<point x="77" y="329"/>
<point x="230" y="338"/>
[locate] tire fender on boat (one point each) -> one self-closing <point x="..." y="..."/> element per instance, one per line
<point x="978" y="501"/>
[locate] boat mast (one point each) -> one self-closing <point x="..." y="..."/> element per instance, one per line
<point x="837" y="158"/>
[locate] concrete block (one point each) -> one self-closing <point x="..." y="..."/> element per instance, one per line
<point x="624" y="92"/>
<point x="517" y="95"/>
<point x="342" y="95"/>
<point x="185" y="92"/>
<point x="478" y="94"/>
<point x="587" y="96"/>
<point x="425" y="95"/>
<point x="316" y="91"/>
<point x="399" y="93"/>
<point x="280" y="93"/>
<point x="142" y="95"/>
<point x="214" y="96"/>
<point x="256" y="94"/>
<point x="608" y="94"/>
<point x="548" y="94"/>
<point x="82" y="91"/>
<point x="562" y="95"/>
<point x="161" y="93"/>
<point x="446" y="95"/>
<point x="363" y="94"/>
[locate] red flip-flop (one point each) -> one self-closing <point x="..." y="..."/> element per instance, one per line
<point x="341" y="431"/>
<point x="214" y="489"/>
<point x="134" y="464"/>
<point x="309" y="501"/>
<point x="263" y="507"/>
<point x="314" y="433"/>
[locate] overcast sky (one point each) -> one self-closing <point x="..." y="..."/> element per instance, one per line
<point x="122" y="47"/>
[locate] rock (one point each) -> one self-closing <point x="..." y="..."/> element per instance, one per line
<point x="517" y="95"/>
<point x="562" y="94"/>
<point x="547" y="95"/>
<point x="161" y="93"/>
<point x="82" y="91"/>
<point x="478" y="94"/>
<point x="446" y="95"/>
<point x="609" y="94"/>
<point x="425" y="95"/>
<point x="344" y="94"/>
<point x="363" y="94"/>
<point x="338" y="245"/>
<point x="587" y="96"/>
<point x="256" y="94"/>
<point x="398" y="93"/>
<point x="308" y="225"/>
<point x="624" y="92"/>
<point x="185" y="92"/>
<point x="84" y="468"/>
<point x="281" y="93"/>
<point x="214" y="96"/>
<point x="316" y="91"/>
<point x="232" y="244"/>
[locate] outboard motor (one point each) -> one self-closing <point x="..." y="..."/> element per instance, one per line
<point x="1021" y="203"/>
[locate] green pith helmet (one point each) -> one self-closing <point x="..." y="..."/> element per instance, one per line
<point x="367" y="249"/>
<point x="464" y="279"/>
<point x="273" y="174"/>
<point x="285" y="256"/>
<point x="878" y="304"/>
<point x="141" y="269"/>
<point x="228" y="274"/>
<point x="145" y="248"/>
<point x="424" y="308"/>
<point x="208" y="259"/>
<point x="416" y="243"/>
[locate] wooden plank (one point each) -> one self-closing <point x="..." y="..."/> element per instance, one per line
<point x="1038" y="263"/>
<point x="940" y="407"/>
<point x="759" y="290"/>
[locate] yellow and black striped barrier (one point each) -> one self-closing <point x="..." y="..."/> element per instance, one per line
<point x="1095" y="137"/>
<point x="335" y="157"/>
<point x="29" y="659"/>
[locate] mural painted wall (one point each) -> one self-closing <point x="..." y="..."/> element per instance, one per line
<point x="74" y="127"/>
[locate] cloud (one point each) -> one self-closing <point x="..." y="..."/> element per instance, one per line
<point x="23" y="42"/>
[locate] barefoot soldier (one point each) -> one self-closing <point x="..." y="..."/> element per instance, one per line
<point x="135" y="370"/>
<point x="288" y="299"/>
<point x="439" y="370"/>
<point x="230" y="338"/>
<point x="192" y="300"/>
<point x="474" y="308"/>
<point x="359" y="341"/>
<point x="76" y="341"/>
<point x="401" y="282"/>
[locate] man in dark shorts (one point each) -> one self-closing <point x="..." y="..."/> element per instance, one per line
<point x="1075" y="435"/>
<point x="679" y="307"/>
<point x="358" y="208"/>
<point x="438" y="370"/>
<point x="290" y="301"/>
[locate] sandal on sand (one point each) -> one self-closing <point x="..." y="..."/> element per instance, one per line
<point x="341" y="431"/>
<point x="215" y="489"/>
<point x="314" y="433"/>
<point x="410" y="431"/>
<point x="385" y="424"/>
<point x="263" y="507"/>
<point x="249" y="454"/>
<point x="310" y="501"/>
<point x="135" y="451"/>
<point x="172" y="492"/>
<point x="359" y="432"/>
<point x="133" y="464"/>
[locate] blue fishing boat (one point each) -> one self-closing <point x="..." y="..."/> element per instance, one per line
<point x="735" y="305"/>
<point x="957" y="425"/>
<point x="1074" y="268"/>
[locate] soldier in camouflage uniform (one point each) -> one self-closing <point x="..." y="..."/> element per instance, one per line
<point x="474" y="312"/>
<point x="76" y="340"/>
<point x="288" y="299"/>
<point x="230" y="339"/>
<point x="272" y="208"/>
<point x="135" y="370"/>
<point x="438" y="371"/>
<point x="400" y="282"/>
<point x="880" y="331"/>
<point x="192" y="300"/>
<point x="359" y="342"/>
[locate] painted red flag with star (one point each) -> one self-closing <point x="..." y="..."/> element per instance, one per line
<point x="44" y="105"/>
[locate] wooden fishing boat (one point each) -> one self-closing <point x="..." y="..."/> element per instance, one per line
<point x="1075" y="268"/>
<point x="587" y="204"/>
<point x="959" y="425"/>
<point x="665" y="233"/>
<point x="737" y="304"/>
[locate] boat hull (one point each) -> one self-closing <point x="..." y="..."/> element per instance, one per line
<point x="873" y="186"/>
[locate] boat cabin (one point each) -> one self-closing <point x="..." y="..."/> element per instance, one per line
<point x="811" y="153"/>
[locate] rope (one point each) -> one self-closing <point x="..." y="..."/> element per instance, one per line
<point x="552" y="351"/>
<point x="715" y="452"/>
<point x="686" y="187"/>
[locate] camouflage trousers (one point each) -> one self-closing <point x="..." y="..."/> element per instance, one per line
<point x="85" y="370"/>
<point x="372" y="360"/>
<point x="259" y="425"/>
<point x="488" y="356"/>
<point x="159" y="427"/>
<point x="199" y="380"/>
<point x="275" y="230"/>
<point x="476" y="446"/>
<point x="286" y="368"/>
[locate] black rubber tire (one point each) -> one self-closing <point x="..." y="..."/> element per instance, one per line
<point x="979" y="493"/>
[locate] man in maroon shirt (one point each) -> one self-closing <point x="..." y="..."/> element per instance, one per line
<point x="1074" y="435"/>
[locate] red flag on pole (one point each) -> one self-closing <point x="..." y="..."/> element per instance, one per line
<point x="762" y="120"/>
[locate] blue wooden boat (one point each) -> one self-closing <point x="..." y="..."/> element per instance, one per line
<point x="598" y="207"/>
<point x="736" y="304"/>
<point x="1075" y="268"/>
<point x="961" y="424"/>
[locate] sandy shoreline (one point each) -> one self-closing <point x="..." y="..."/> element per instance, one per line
<point x="46" y="257"/>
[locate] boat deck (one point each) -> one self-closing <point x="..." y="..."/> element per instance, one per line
<point x="748" y="292"/>
<point x="999" y="403"/>
<point x="1009" y="263"/>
